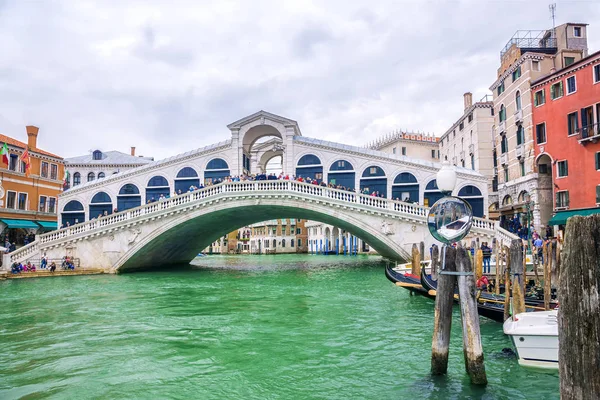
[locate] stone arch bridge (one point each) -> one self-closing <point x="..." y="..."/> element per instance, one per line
<point x="173" y="230"/>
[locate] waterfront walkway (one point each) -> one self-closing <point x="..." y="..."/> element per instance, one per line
<point x="46" y="273"/>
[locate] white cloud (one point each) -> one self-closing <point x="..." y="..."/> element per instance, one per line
<point x="167" y="78"/>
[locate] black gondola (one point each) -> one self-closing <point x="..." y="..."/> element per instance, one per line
<point x="407" y="281"/>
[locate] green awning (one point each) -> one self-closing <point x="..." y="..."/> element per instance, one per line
<point x="48" y="225"/>
<point x="560" y="218"/>
<point x="20" y="223"/>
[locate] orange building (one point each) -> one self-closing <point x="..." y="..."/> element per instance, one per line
<point x="28" y="203"/>
<point x="566" y="117"/>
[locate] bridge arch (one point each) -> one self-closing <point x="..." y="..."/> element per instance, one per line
<point x="129" y="197"/>
<point x="406" y="187"/>
<point x="186" y="177"/>
<point x="100" y="203"/>
<point x="73" y="213"/>
<point x="156" y="186"/>
<point x="432" y="193"/>
<point x="341" y="172"/>
<point x="216" y="170"/>
<point x="473" y="196"/>
<point x="374" y="179"/>
<point x="310" y="166"/>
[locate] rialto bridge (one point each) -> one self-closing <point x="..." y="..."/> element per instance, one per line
<point x="138" y="234"/>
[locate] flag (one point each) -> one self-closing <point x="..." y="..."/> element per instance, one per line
<point x="26" y="159"/>
<point x="4" y="153"/>
<point x="66" y="178"/>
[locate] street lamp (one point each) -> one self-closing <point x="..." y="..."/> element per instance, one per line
<point x="446" y="178"/>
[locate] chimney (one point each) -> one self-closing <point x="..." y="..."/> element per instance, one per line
<point x="133" y="150"/>
<point x="32" y="132"/>
<point x="468" y="99"/>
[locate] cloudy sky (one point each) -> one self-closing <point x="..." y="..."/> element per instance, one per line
<point x="168" y="76"/>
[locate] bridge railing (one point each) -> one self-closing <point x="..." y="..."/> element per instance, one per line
<point x="414" y="210"/>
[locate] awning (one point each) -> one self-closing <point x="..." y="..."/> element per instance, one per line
<point x="20" y="223"/>
<point x="560" y="218"/>
<point x="48" y="224"/>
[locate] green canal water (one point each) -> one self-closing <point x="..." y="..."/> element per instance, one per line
<point x="254" y="327"/>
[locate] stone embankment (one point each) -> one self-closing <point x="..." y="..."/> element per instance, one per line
<point x="45" y="273"/>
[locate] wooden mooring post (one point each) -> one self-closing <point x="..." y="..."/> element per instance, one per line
<point x="498" y="267"/>
<point x="506" y="282"/>
<point x="442" y="321"/>
<point x="518" y="276"/>
<point x="547" y="276"/>
<point x="579" y="314"/>
<point x="416" y="261"/>
<point x="435" y="262"/>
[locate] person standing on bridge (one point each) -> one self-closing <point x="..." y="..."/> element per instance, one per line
<point x="487" y="256"/>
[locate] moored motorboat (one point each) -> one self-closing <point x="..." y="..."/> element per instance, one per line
<point x="535" y="337"/>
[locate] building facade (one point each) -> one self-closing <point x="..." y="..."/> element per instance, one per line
<point x="278" y="236"/>
<point x="468" y="144"/>
<point x="528" y="56"/>
<point x="566" y="116"/>
<point x="99" y="164"/>
<point x="414" y="145"/>
<point x="329" y="239"/>
<point x="28" y="204"/>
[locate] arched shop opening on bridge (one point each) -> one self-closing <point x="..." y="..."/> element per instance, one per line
<point x="342" y="173"/>
<point x="186" y="177"/>
<point x="73" y="213"/>
<point x="129" y="197"/>
<point x="406" y="188"/>
<point x="216" y="170"/>
<point x="157" y="186"/>
<point x="432" y="193"/>
<point x="374" y="180"/>
<point x="474" y="197"/>
<point x="100" y="203"/>
<point x="309" y="166"/>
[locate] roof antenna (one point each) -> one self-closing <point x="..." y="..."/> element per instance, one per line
<point x="552" y="8"/>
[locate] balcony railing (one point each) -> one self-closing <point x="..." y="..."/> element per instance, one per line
<point x="502" y="127"/>
<point x="519" y="151"/>
<point x="504" y="158"/>
<point x="531" y="40"/>
<point x="589" y="133"/>
<point x="471" y="149"/>
<point x="519" y="116"/>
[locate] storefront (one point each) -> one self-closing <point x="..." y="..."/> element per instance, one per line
<point x="21" y="231"/>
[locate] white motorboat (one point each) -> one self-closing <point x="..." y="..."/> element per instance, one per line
<point x="535" y="336"/>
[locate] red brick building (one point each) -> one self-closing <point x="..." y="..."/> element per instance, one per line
<point x="566" y="117"/>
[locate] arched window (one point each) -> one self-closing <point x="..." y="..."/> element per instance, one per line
<point x="129" y="197"/>
<point x="100" y="203"/>
<point x="274" y="243"/>
<point x="342" y="173"/>
<point x="157" y="186"/>
<point x="97" y="155"/>
<point x="292" y="241"/>
<point x="73" y="213"/>
<point x="282" y="242"/>
<point x="504" y="144"/>
<point x="216" y="170"/>
<point x="518" y="100"/>
<point x="373" y="180"/>
<point x="432" y="193"/>
<point x="91" y="176"/>
<point x="186" y="177"/>
<point x="76" y="179"/>
<point x="309" y="166"/>
<point x="520" y="135"/>
<point x="405" y="188"/>
<point x="474" y="197"/>
<point x="101" y="175"/>
<point x="507" y="200"/>
<point x="502" y="114"/>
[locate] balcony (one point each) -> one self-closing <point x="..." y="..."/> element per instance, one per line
<point x="518" y="116"/>
<point x="504" y="158"/>
<point x="520" y="150"/>
<point x="502" y="127"/>
<point x="589" y="133"/>
<point x="538" y="41"/>
<point x="471" y="149"/>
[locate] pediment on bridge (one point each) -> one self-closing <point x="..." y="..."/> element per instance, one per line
<point x="262" y="117"/>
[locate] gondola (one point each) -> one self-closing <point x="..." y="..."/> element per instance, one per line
<point x="408" y="281"/>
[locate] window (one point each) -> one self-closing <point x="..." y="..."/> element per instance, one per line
<point x="91" y="177"/>
<point x="502" y="114"/>
<point x="432" y="153"/>
<point x="266" y="244"/>
<point x="598" y="161"/>
<point x="463" y="163"/>
<point x="520" y="135"/>
<point x="394" y="150"/>
<point x="97" y="155"/>
<point x="13" y="162"/>
<point x="470" y="117"/>
<point x="101" y="175"/>
<point x="535" y="65"/>
<point x="44" y="169"/>
<point x="597" y="194"/>
<point x="274" y="243"/>
<point x="539" y="98"/>
<point x="42" y="206"/>
<point x="461" y="126"/>
<point x="556" y="90"/>
<point x="403" y="151"/>
<point x="11" y="199"/>
<point x="53" y="171"/>
<point x="563" y="168"/>
<point x="501" y="88"/>
<point x="505" y="174"/>
<point x="562" y="199"/>
<point x="454" y="133"/>
<point x="540" y="133"/>
<point x="282" y="242"/>
<point x="76" y="179"/>
<point x="51" y="205"/>
<point x="596" y="73"/>
<point x="522" y="165"/>
<point x="23" y="167"/>
<point x="543" y="169"/>
<point x="299" y="242"/>
<point x="571" y="85"/>
<point x="573" y="123"/>
<point x="504" y="144"/>
<point x="577" y="31"/>
<point x="518" y="100"/>
<point x="472" y="162"/>
<point x="22" y="201"/>
<point x="298" y="231"/>
<point x="569" y="61"/>
<point x="516" y="74"/>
